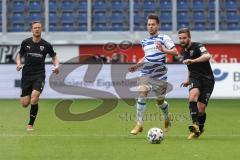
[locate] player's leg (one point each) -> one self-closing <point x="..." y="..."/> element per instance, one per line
<point x="25" y="101"/>
<point x="194" y="93"/>
<point x="37" y="89"/>
<point x="203" y="99"/>
<point x="160" y="92"/>
<point x="141" y="107"/>
<point x="26" y="90"/>
<point x="201" y="116"/>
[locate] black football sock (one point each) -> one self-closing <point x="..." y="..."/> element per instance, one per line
<point x="202" y="119"/>
<point x="194" y="111"/>
<point x="33" y="113"/>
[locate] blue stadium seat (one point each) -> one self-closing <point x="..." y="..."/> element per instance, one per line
<point x="18" y="6"/>
<point x="35" y="6"/>
<point x="100" y="27"/>
<point x="212" y="16"/>
<point x="82" y="27"/>
<point x="137" y="5"/>
<point x="230" y="4"/>
<point x="232" y="16"/>
<point x="52" y="26"/>
<point x="119" y="5"/>
<point x="117" y="16"/>
<point x="117" y="27"/>
<point x="67" y="17"/>
<point x="182" y="5"/>
<point x="166" y="16"/>
<point x="211" y="5"/>
<point x="166" y="26"/>
<point x="149" y="5"/>
<point x="165" y="5"/>
<point x="100" y="5"/>
<point x="198" y="5"/>
<point x="182" y="25"/>
<point x="212" y="26"/>
<point x="53" y="5"/>
<point x="18" y="17"/>
<point x="19" y="27"/>
<point x="82" y="4"/>
<point x="100" y="16"/>
<point x="200" y="26"/>
<point x="137" y="27"/>
<point x="82" y="16"/>
<point x="67" y="5"/>
<point x="183" y="16"/>
<point x="146" y="13"/>
<point x="137" y="18"/>
<point x="35" y="16"/>
<point x="67" y="27"/>
<point x="233" y="26"/>
<point x="52" y="17"/>
<point x="199" y="16"/>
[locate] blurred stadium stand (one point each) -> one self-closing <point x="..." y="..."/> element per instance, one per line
<point x="90" y="16"/>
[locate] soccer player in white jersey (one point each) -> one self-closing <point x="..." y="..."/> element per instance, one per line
<point x="154" y="72"/>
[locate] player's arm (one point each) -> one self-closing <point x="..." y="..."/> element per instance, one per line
<point x="18" y="62"/>
<point x="173" y="51"/>
<point x="19" y="56"/>
<point x="55" y="62"/>
<point x="136" y="66"/>
<point x="186" y="82"/>
<point x="205" y="56"/>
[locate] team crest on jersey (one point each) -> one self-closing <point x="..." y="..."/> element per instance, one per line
<point x="41" y="48"/>
<point x="191" y="53"/>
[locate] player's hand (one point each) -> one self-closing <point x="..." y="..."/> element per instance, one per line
<point x="160" y="47"/>
<point x="185" y="83"/>
<point x="19" y="67"/>
<point x="187" y="61"/>
<point x="55" y="70"/>
<point x="133" y="68"/>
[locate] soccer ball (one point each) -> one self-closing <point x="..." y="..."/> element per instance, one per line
<point x="155" y="135"/>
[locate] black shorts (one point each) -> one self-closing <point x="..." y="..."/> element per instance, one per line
<point x="205" y="87"/>
<point x="28" y="84"/>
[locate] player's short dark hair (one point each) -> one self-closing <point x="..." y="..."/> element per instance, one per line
<point x="34" y="22"/>
<point x="153" y="16"/>
<point x="185" y="30"/>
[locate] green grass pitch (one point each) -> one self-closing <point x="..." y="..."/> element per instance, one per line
<point x="107" y="137"/>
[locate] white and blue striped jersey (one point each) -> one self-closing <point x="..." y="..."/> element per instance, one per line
<point x="154" y="60"/>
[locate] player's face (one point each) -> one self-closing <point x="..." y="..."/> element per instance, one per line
<point x="37" y="29"/>
<point x="184" y="39"/>
<point x="152" y="26"/>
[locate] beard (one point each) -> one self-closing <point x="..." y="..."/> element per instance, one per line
<point x="184" y="45"/>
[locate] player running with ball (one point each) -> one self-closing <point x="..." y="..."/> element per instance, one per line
<point x="153" y="72"/>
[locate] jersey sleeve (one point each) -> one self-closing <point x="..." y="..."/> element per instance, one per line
<point x="168" y="43"/>
<point x="22" y="49"/>
<point x="51" y="52"/>
<point x="202" y="49"/>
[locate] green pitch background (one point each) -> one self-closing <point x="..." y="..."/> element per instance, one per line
<point x="107" y="137"/>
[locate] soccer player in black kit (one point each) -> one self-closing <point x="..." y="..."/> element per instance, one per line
<point x="200" y="80"/>
<point x="34" y="51"/>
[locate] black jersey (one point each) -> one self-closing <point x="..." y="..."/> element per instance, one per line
<point x="34" y="55"/>
<point x="201" y="69"/>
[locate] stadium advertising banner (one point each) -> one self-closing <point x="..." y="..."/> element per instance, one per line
<point x="114" y="81"/>
<point x="222" y="53"/>
<point x="8" y="53"/>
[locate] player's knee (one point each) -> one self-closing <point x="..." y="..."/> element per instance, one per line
<point x="160" y="101"/>
<point x="193" y="97"/>
<point x="34" y="99"/>
<point x="25" y="104"/>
